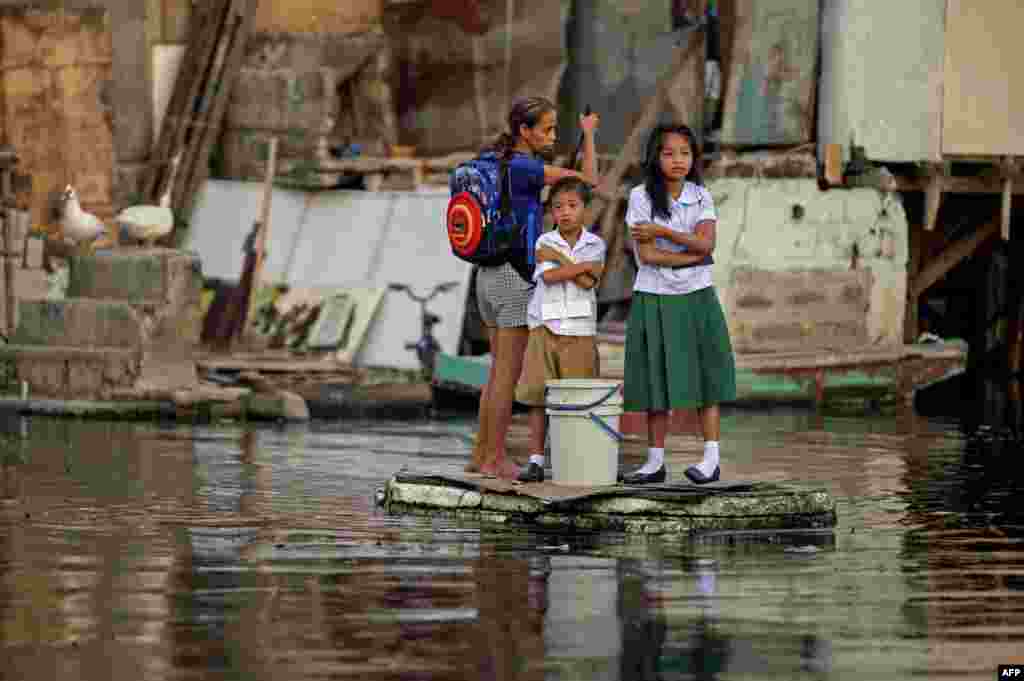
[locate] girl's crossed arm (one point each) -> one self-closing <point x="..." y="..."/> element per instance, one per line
<point x="701" y="242"/>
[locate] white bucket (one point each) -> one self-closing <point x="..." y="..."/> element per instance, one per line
<point x="583" y="452"/>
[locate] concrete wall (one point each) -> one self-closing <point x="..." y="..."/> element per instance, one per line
<point x="340" y="239"/>
<point x="881" y="77"/>
<point x="791" y="282"/>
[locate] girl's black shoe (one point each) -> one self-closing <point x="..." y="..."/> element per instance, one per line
<point x="696" y="477"/>
<point x="646" y="478"/>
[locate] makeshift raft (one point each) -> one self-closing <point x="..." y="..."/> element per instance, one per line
<point x="668" y="508"/>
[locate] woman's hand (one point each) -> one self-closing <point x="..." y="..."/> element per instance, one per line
<point x="589" y="123"/>
<point x="644" y="231"/>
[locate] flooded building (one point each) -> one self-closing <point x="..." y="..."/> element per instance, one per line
<point x="839" y="172"/>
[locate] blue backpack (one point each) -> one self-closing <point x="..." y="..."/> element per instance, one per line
<point x="482" y="227"/>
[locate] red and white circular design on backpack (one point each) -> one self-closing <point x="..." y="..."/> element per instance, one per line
<point x="465" y="223"/>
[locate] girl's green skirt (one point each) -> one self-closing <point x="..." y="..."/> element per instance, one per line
<point x="678" y="353"/>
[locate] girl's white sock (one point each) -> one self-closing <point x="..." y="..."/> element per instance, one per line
<point x="537" y="459"/>
<point x="655" y="460"/>
<point x="710" y="462"/>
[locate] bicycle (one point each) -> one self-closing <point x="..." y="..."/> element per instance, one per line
<point x="426" y="347"/>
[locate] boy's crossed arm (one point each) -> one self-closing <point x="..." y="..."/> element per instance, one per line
<point x="584" y="274"/>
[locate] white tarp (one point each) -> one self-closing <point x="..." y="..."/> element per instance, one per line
<point x="338" y="239"/>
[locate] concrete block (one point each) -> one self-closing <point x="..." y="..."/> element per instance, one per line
<point x="158" y="275"/>
<point x="74" y="373"/>
<point x="164" y="287"/>
<point x="79" y="323"/>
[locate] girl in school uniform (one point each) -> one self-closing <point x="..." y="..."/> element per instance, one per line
<point x="678" y="353"/>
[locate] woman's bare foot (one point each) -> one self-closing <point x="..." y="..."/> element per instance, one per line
<point x="476" y="460"/>
<point x="504" y="469"/>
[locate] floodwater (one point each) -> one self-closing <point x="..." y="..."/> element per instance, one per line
<point x="165" y="551"/>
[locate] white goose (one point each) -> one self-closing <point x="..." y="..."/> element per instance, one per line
<point x="77" y="225"/>
<point x="147" y="223"/>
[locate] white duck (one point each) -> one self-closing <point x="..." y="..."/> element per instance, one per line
<point x="147" y="223"/>
<point x="77" y="225"/>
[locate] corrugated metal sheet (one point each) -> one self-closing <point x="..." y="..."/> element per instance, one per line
<point x="881" y="81"/>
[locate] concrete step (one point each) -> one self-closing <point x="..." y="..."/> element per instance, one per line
<point x="81" y="323"/>
<point x="97" y="373"/>
<point x="160" y="329"/>
<point x="137" y="275"/>
<point x="73" y="372"/>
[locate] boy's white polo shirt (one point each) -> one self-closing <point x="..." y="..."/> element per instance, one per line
<point x="694" y="205"/>
<point x="565" y="308"/>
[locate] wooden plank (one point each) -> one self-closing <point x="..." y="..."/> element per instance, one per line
<point x="949" y="258"/>
<point x="963" y="185"/>
<point x="833" y="165"/>
<point x="178" y="120"/>
<point x="8" y="234"/>
<point x="240" y="22"/>
<point x="1009" y="168"/>
<point x="812" y="362"/>
<point x="264" y="223"/>
<point x="933" y="195"/>
<point x="269" y="366"/>
<point x="911" y="320"/>
<point x="1004" y="214"/>
<point x="203" y="106"/>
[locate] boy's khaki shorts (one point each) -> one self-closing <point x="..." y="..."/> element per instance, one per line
<point x="549" y="357"/>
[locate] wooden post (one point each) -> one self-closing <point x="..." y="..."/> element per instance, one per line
<point x="933" y="194"/>
<point x="1009" y="170"/>
<point x="911" y="320"/>
<point x="264" y="226"/>
<point x="833" y="165"/>
<point x="8" y="217"/>
<point x="264" y="221"/>
<point x="10" y="214"/>
<point x="950" y="258"/>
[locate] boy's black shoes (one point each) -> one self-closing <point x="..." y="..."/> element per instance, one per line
<point x="696" y="477"/>
<point x="645" y="478"/>
<point x="532" y="473"/>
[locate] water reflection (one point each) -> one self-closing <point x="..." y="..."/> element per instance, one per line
<point x="134" y="551"/>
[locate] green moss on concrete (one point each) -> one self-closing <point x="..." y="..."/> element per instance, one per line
<point x="763" y="507"/>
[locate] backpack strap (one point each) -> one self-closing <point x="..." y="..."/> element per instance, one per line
<point x="505" y="190"/>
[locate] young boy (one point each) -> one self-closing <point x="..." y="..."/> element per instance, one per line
<point x="562" y="313"/>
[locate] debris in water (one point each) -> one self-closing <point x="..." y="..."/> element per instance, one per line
<point x="559" y="547"/>
<point x="379" y="497"/>
<point x="806" y="549"/>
